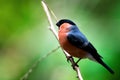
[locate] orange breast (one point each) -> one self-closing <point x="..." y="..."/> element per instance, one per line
<point x="64" y="43"/>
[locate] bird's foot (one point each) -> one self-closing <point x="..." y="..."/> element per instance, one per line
<point x="73" y="65"/>
<point x="68" y="58"/>
<point x="76" y="63"/>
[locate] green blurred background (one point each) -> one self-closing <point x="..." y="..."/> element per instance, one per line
<point x="24" y="37"/>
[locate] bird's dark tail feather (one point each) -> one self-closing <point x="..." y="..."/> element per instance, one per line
<point x="106" y="66"/>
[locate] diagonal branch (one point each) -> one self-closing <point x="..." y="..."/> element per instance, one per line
<point x="47" y="11"/>
<point x="49" y="19"/>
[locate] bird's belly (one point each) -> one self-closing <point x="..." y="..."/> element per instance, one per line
<point x="71" y="49"/>
<point x="76" y="52"/>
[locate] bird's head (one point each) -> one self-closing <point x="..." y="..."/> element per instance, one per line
<point x="62" y="21"/>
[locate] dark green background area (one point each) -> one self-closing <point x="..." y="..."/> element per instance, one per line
<point x="24" y="37"/>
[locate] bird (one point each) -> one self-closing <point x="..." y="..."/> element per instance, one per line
<point x="74" y="42"/>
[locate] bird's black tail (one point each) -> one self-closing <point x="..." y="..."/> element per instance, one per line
<point x="106" y="66"/>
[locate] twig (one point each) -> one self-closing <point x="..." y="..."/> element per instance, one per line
<point x="47" y="11"/>
<point x="36" y="63"/>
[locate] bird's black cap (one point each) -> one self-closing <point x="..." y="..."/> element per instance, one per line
<point x="60" y="22"/>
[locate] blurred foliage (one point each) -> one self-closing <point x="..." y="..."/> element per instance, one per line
<point x="24" y="37"/>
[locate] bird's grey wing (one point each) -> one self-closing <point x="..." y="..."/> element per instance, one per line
<point x="76" y="40"/>
<point x="81" y="42"/>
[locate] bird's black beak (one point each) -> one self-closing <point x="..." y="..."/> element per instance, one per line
<point x="58" y="24"/>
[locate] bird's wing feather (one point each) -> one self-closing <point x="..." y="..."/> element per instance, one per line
<point x="76" y="40"/>
<point x="90" y="48"/>
<point x="81" y="42"/>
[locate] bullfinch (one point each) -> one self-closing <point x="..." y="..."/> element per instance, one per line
<point x="73" y="41"/>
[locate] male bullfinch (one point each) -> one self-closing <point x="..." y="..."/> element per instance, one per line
<point x="73" y="41"/>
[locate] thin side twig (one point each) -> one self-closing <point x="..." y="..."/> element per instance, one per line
<point x="46" y="9"/>
<point x="36" y="63"/>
